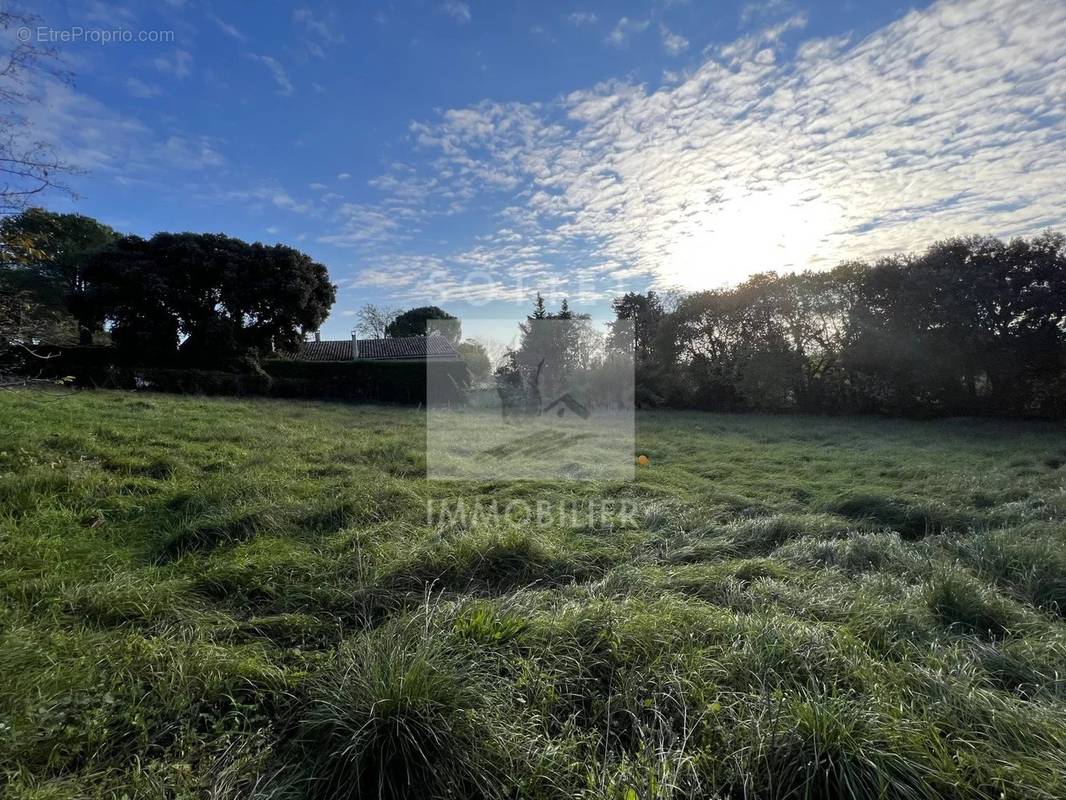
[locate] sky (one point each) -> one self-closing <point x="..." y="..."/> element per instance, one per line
<point x="469" y="153"/>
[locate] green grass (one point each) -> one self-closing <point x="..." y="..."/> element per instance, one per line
<point x="245" y="599"/>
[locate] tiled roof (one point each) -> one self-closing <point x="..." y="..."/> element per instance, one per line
<point x="326" y="351"/>
<point x="397" y="349"/>
<point x="407" y="347"/>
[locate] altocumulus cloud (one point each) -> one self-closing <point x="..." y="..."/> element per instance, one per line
<point x="949" y="120"/>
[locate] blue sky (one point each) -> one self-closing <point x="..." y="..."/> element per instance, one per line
<point x="471" y="153"/>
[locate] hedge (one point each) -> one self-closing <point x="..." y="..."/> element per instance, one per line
<point x="361" y="381"/>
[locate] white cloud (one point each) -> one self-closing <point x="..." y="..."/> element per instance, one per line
<point x="139" y="88"/>
<point x="107" y="14"/>
<point x="197" y="151"/>
<point x="457" y="10"/>
<point x="362" y="225"/>
<point x="281" y="77"/>
<point x="775" y="32"/>
<point x="947" y="121"/>
<point x="674" y="43"/>
<point x="343" y="176"/>
<point x="113" y="146"/>
<point x="763" y="10"/>
<point x="625" y="29"/>
<point x="178" y="63"/>
<point x="324" y="29"/>
<point x="227" y="28"/>
<point x="283" y="199"/>
<point x="579" y="18"/>
<point x="264" y="198"/>
<point x="319" y="32"/>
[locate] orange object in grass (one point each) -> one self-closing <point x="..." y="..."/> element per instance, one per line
<point x="643" y="460"/>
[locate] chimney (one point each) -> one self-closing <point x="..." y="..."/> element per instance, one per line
<point x="355" y="345"/>
<point x="318" y="335"/>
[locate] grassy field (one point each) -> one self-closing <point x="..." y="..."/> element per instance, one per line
<point x="245" y="599"/>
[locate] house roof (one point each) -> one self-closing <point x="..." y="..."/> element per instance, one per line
<point x="403" y="348"/>
<point x="326" y="351"/>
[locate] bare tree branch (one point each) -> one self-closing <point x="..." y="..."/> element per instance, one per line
<point x="27" y="166"/>
<point x="372" y="320"/>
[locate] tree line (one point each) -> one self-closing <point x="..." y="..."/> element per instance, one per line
<point x="193" y="300"/>
<point x="198" y="299"/>
<point x="973" y="325"/>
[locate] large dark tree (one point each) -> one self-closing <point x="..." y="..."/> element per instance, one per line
<point x="217" y="296"/>
<point x="417" y="321"/>
<point x="972" y="324"/>
<point x="43" y="256"/>
<point x="642" y="315"/>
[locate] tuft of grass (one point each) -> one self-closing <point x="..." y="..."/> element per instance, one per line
<point x="399" y="716"/>
<point x="129" y="600"/>
<point x="855" y="554"/>
<point x="1031" y="567"/>
<point x="765" y="534"/>
<point x="962" y="603"/>
<point x="494" y="561"/>
<point x="825" y="747"/>
<point x="910" y="519"/>
<point x="209" y="535"/>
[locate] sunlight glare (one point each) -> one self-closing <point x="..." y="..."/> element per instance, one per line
<point x="783" y="229"/>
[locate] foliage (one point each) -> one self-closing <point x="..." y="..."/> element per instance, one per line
<point x="244" y="598"/>
<point x="475" y="356"/>
<point x="553" y="349"/>
<point x="221" y="297"/>
<point x="972" y="326"/>
<point x="42" y="262"/>
<point x="425" y="319"/>
<point x="26" y="324"/>
<point x="365" y="381"/>
<point x="49" y="250"/>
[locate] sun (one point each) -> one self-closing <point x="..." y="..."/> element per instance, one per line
<point x="782" y="229"/>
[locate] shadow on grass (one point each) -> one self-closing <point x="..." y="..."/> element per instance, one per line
<point x="912" y="520"/>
